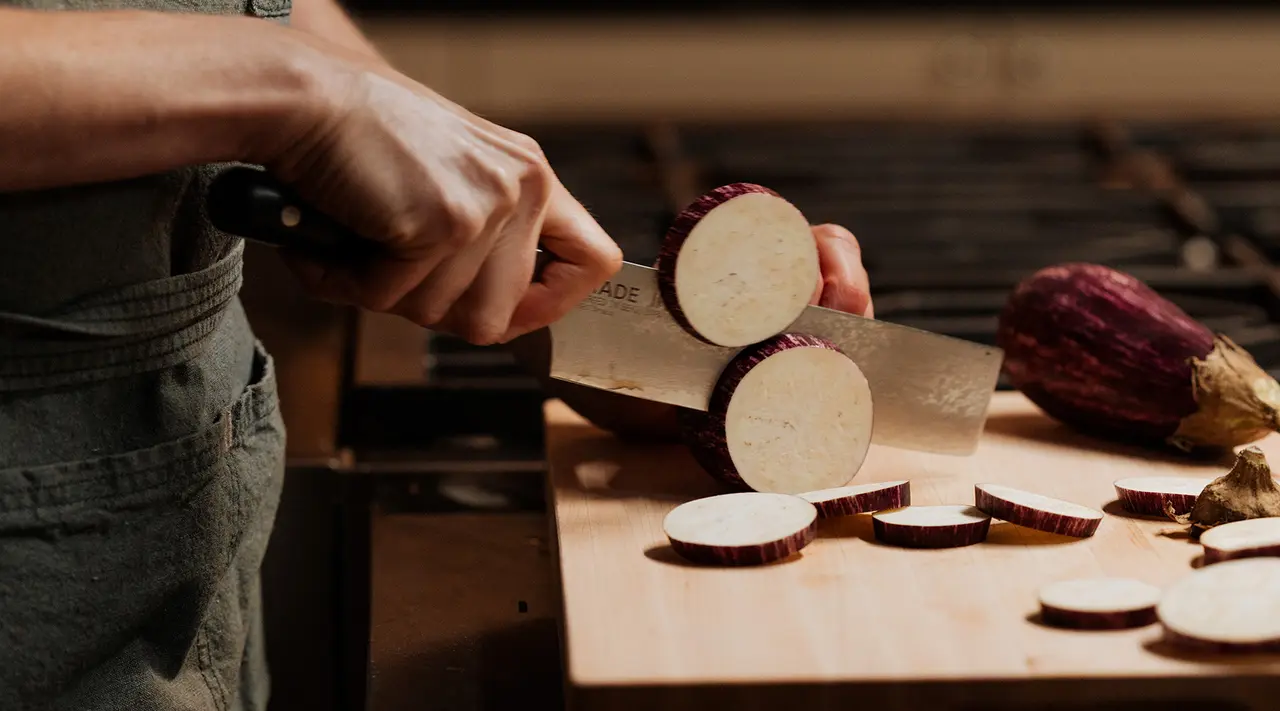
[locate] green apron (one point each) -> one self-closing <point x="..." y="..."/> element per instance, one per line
<point x="141" y="447"/>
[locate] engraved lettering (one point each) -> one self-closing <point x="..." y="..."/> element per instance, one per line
<point x="619" y="292"/>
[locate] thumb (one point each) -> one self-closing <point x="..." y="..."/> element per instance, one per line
<point x="846" y="286"/>
<point x="586" y="257"/>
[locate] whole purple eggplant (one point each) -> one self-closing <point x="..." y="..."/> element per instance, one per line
<point x="1101" y="351"/>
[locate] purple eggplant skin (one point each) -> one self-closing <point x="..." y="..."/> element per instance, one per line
<point x="1099" y="350"/>
<point x="1118" y="620"/>
<point x="746" y="555"/>
<point x="679" y="232"/>
<point x="702" y="433"/>
<point x="958" y="536"/>
<point x="878" y="500"/>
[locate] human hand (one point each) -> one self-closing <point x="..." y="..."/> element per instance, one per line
<point x="842" y="285"/>
<point x="459" y="206"/>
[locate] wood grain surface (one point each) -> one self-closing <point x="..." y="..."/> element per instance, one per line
<point x="852" y="621"/>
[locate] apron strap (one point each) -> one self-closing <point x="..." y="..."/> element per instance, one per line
<point x="120" y="332"/>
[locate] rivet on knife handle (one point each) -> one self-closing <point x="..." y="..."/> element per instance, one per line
<point x="252" y="204"/>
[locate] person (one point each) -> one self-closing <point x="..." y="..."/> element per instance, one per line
<point x="141" y="447"/>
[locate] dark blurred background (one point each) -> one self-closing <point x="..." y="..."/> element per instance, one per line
<point x="966" y="144"/>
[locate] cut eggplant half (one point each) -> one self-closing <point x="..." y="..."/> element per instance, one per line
<point x="742" y="528"/>
<point x="1227" y="608"/>
<point x="738" y="265"/>
<point x="946" y="526"/>
<point x="863" y="498"/>
<point x="790" y="415"/>
<point x="1042" y="513"/>
<point x="1251" y="538"/>
<point x="1099" y="603"/>
<point x="1147" y="495"/>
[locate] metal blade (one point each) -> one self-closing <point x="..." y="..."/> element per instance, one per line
<point x="931" y="392"/>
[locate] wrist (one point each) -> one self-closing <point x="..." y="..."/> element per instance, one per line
<point x="328" y="20"/>
<point x="303" y="85"/>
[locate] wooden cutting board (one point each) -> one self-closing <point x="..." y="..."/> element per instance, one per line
<point x="849" y="621"/>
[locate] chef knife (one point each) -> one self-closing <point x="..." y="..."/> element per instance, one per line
<point x="931" y="392"/>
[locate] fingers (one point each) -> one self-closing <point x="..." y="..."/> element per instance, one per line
<point x="457" y="205"/>
<point x="585" y="258"/>
<point x="845" y="284"/>
<point x="816" y="298"/>
<point x="377" y="285"/>
<point x="490" y="303"/>
<point x="504" y="278"/>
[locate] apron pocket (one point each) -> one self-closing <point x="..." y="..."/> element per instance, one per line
<point x="115" y="572"/>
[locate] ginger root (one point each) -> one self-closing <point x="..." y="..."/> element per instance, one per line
<point x="1247" y="491"/>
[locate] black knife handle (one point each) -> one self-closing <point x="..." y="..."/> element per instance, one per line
<point x="251" y="204"/>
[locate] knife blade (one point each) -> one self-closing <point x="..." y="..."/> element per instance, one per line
<point x="931" y="392"/>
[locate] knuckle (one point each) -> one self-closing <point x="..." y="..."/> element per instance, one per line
<point x="405" y="228"/>
<point x="611" y="260"/>
<point x="421" y="309"/>
<point x="853" y="242"/>
<point x="426" y="315"/>
<point x="509" y="190"/>
<point x="528" y="143"/>
<point x="433" y="315"/>
<point x="538" y="181"/>
<point x="380" y="301"/>
<point x="465" y="222"/>
<point x="536" y="176"/>
<point x="481" y="333"/>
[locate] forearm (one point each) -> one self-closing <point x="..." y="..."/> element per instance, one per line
<point x="327" y="19"/>
<point x="95" y="96"/>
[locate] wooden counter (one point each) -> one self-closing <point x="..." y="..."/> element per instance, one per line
<point x="849" y="621"/>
